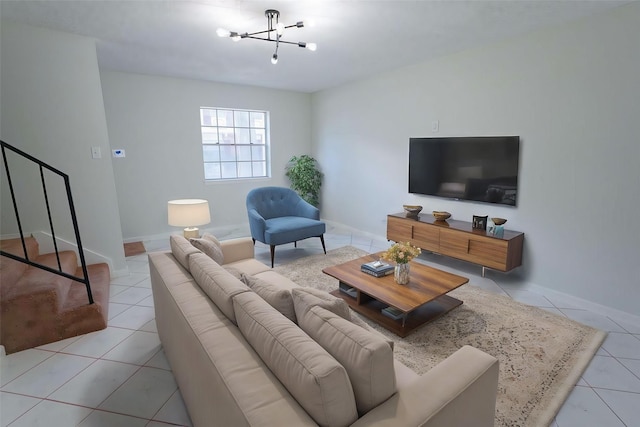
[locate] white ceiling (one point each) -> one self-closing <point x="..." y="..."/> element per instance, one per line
<point x="355" y="38"/>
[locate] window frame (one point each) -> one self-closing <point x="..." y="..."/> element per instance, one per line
<point x="217" y="135"/>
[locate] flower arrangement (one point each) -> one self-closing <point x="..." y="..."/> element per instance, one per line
<point x="401" y="253"/>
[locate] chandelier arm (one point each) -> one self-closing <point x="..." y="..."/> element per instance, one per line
<point x="271" y="40"/>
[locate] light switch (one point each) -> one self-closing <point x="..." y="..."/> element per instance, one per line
<point x="96" y="153"/>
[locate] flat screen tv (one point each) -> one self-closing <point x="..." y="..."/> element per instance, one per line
<point x="478" y="168"/>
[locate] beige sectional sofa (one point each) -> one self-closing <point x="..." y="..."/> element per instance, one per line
<point x="276" y="354"/>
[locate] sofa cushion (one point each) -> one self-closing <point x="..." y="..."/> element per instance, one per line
<point x="182" y="249"/>
<point x="314" y="378"/>
<point x="278" y="297"/>
<point x="305" y="298"/>
<point x="210" y="248"/>
<point x="234" y="271"/>
<point x="249" y="266"/>
<point x="367" y="358"/>
<point x="217" y="283"/>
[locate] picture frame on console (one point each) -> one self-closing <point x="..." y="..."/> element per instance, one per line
<point x="479" y="222"/>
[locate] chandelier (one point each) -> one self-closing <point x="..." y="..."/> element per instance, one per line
<point x="273" y="33"/>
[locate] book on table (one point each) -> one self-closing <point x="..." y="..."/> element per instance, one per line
<point x="377" y="267"/>
<point x="376" y="273"/>
<point x="394" y="313"/>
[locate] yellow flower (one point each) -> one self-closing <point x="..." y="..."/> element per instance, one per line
<point x="401" y="253"/>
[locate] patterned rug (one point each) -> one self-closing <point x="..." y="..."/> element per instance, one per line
<point x="542" y="355"/>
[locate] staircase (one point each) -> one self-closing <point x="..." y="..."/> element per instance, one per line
<point x="38" y="307"/>
<point x="46" y="297"/>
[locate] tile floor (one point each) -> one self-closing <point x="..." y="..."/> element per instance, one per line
<point x="120" y="377"/>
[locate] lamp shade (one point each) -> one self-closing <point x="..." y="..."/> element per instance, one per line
<point x="189" y="212"/>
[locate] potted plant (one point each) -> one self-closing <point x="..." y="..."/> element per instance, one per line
<point x="305" y="178"/>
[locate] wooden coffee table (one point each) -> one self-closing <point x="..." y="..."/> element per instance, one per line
<point x="420" y="301"/>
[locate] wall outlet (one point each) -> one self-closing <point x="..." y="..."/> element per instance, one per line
<point x="119" y="152"/>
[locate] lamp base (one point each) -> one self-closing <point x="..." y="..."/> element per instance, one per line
<point x="191" y="233"/>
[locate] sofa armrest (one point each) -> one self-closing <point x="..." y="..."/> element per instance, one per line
<point x="237" y="249"/>
<point x="459" y="391"/>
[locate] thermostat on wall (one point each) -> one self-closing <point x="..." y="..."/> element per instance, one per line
<point x="119" y="152"/>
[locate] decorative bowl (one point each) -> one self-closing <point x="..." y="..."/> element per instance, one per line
<point x="498" y="221"/>
<point x="441" y="215"/>
<point x="412" y="210"/>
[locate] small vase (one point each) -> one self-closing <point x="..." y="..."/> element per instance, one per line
<point x="401" y="273"/>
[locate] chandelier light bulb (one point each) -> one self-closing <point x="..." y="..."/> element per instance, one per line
<point x="221" y="32"/>
<point x="312" y="47"/>
<point x="280" y="28"/>
<point x="235" y="36"/>
<point x="274" y="59"/>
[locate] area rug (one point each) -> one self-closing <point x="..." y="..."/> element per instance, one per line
<point x="134" y="248"/>
<point x="542" y="355"/>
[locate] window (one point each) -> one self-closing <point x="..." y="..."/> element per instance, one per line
<point x="234" y="143"/>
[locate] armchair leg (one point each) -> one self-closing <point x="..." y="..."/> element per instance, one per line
<point x="322" y="240"/>
<point x="273" y="252"/>
<point x="254" y="241"/>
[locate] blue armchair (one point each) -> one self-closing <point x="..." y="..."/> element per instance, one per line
<point x="278" y="215"/>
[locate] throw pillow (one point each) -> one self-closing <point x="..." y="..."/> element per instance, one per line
<point x="277" y="297"/>
<point x="210" y="248"/>
<point x="305" y="298"/>
<point x="367" y="358"/>
<point x="315" y="379"/>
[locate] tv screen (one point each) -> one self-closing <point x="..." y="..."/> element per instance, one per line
<point x="479" y="168"/>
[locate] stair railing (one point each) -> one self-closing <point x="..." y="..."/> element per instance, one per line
<point x="25" y="259"/>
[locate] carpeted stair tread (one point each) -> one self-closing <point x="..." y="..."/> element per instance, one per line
<point x="11" y="270"/>
<point x="99" y="279"/>
<point x="35" y="280"/>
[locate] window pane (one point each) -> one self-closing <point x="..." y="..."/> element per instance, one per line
<point x="212" y="171"/>
<point x="208" y="117"/>
<point x="257" y="119"/>
<point x="229" y="170"/>
<point x="259" y="168"/>
<point x="258" y="152"/>
<point x="242" y="136"/>
<point x="258" y="136"/>
<point x="211" y="153"/>
<point x="241" y="119"/>
<point x="227" y="153"/>
<point x="234" y="143"/>
<point x="244" y="153"/>
<point x="244" y="170"/>
<point x="209" y="135"/>
<point x="225" y="117"/>
<point x="226" y="135"/>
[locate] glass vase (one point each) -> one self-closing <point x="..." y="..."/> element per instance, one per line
<point x="401" y="274"/>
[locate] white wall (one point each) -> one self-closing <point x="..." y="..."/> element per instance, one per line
<point x="156" y="120"/>
<point x="571" y="93"/>
<point x="52" y="108"/>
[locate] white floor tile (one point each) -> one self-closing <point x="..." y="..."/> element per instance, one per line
<point x="115" y="309"/>
<point x="159" y="360"/>
<point x="138" y="267"/>
<point x="143" y="394"/>
<point x="96" y="344"/>
<point x="109" y="419"/>
<point x="530" y="298"/>
<point x="147" y="302"/>
<point x="625" y="405"/>
<point x="622" y="345"/>
<point x="146" y="283"/>
<point x="46" y="377"/>
<point x="174" y="411"/>
<point x="48" y="414"/>
<point x="93" y="385"/>
<point x="132" y="296"/>
<point x="16" y="364"/>
<point x="592" y="319"/>
<point x="129" y="280"/>
<point x="632" y="364"/>
<point x="632" y="327"/>
<point x="584" y="408"/>
<point x="138" y="348"/>
<point x="607" y="372"/>
<point x="116" y="289"/>
<point x="133" y="318"/>
<point x="150" y="326"/>
<point x="14" y="405"/>
<point x="58" y="345"/>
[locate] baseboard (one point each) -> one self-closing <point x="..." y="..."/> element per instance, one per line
<point x="222" y="233"/>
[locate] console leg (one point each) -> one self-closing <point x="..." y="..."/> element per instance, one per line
<point x="483" y="270"/>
